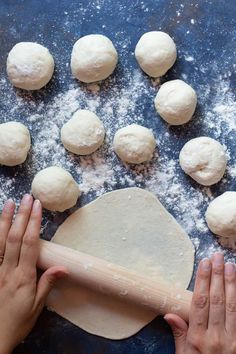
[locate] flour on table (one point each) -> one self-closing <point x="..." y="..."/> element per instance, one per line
<point x="119" y="101"/>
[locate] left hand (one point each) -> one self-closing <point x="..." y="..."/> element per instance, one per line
<point x="21" y="297"/>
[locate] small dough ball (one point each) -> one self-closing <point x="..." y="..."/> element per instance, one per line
<point x="30" y="66"/>
<point x="221" y="215"/>
<point x="134" y="144"/>
<point x="83" y="134"/>
<point x="204" y="159"/>
<point x="14" y="143"/>
<point x="155" y="53"/>
<point x="93" y="58"/>
<point x="55" y="188"/>
<point x="176" y="102"/>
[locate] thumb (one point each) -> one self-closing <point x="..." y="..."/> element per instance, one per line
<point x="47" y="282"/>
<point x="179" y="328"/>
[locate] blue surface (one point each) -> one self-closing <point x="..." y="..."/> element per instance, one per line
<point x="212" y="39"/>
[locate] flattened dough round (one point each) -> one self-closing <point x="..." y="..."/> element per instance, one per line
<point x="134" y="230"/>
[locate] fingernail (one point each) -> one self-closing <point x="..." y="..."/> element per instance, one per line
<point x="37" y="205"/>
<point x="218" y="259"/>
<point x="229" y="268"/>
<point x="206" y="265"/>
<point x="9" y="205"/>
<point x="26" y="199"/>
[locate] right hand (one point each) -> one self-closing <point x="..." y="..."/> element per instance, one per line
<point x="212" y="318"/>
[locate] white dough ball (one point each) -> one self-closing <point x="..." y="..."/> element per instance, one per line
<point x="83" y="134"/>
<point x="134" y="144"/>
<point x="55" y="188"/>
<point x="14" y="143"/>
<point x="155" y="53"/>
<point x="30" y="66"/>
<point x="221" y="215"/>
<point x="204" y="159"/>
<point x="176" y="102"/>
<point x="93" y="58"/>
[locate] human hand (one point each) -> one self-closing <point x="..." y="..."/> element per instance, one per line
<point x="21" y="297"/>
<point x="212" y="318"/>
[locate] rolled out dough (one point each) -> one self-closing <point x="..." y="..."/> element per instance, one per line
<point x="131" y="228"/>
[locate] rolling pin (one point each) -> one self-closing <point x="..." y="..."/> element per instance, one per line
<point x="110" y="279"/>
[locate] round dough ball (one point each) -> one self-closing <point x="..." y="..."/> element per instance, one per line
<point x="83" y="134"/>
<point x="176" y="102"/>
<point x="93" y="58"/>
<point x="134" y="144"/>
<point x="155" y="53"/>
<point x="203" y="159"/>
<point x="30" y="66"/>
<point x="221" y="215"/>
<point x="55" y="188"/>
<point x="14" y="143"/>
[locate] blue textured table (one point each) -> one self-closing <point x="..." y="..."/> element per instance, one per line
<point x="206" y="30"/>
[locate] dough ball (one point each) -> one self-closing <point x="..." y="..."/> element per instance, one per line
<point x="55" y="188"/>
<point x="83" y="134"/>
<point x="221" y="215"/>
<point x="155" y="53"/>
<point x="203" y="159"/>
<point x="176" y="102"/>
<point x="134" y="144"/>
<point x="30" y="66"/>
<point x="14" y="143"/>
<point x="93" y="58"/>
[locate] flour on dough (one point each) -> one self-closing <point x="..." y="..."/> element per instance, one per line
<point x="30" y="66"/>
<point x="131" y="228"/>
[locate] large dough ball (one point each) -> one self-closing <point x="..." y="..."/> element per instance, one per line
<point x="14" y="143"/>
<point x="204" y="159"/>
<point x="55" y="188"/>
<point x="83" y="133"/>
<point x="155" y="53"/>
<point x="176" y="102"/>
<point x="134" y="144"/>
<point x="93" y="58"/>
<point x="221" y="215"/>
<point x="30" y="66"/>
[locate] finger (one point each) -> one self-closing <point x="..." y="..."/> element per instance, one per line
<point x="46" y="283"/>
<point x="17" y="230"/>
<point x="179" y="329"/>
<point x="30" y="243"/>
<point x="5" y="224"/>
<point x="199" y="311"/>
<point x="230" y="295"/>
<point x="217" y="294"/>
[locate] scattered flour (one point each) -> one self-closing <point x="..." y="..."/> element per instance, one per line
<point x="119" y="102"/>
<point x="221" y="117"/>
